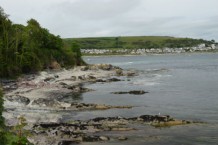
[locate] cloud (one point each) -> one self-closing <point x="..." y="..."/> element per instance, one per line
<point x="90" y="18"/>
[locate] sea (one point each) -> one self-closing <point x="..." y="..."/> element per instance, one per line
<point x="184" y="86"/>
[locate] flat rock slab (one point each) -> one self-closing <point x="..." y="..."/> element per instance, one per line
<point x="135" y="92"/>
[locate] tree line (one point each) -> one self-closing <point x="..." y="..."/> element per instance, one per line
<point x="31" y="48"/>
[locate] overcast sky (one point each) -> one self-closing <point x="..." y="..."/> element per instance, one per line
<point x="91" y="18"/>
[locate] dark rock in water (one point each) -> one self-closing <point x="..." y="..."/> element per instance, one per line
<point x="156" y="118"/>
<point x="19" y="99"/>
<point x="79" y="89"/>
<point x="136" y="92"/>
<point x="140" y="92"/>
<point x="108" y="80"/>
<point x="113" y="80"/>
<point x="99" y="119"/>
<point x="100" y="81"/>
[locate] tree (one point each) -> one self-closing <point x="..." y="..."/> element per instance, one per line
<point x="77" y="53"/>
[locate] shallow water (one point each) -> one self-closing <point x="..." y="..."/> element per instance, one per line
<point x="184" y="86"/>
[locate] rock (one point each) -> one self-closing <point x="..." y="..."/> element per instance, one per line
<point x="119" y="72"/>
<point x="48" y="79"/>
<point x="83" y="77"/>
<point x="100" y="81"/>
<point x="122" y="138"/>
<point x="136" y="92"/>
<point x="67" y="142"/>
<point x="101" y="107"/>
<point x="91" y="138"/>
<point x="46" y="103"/>
<point x="113" y="80"/>
<point x="84" y="68"/>
<point x="130" y="74"/>
<point x="19" y="99"/>
<point x="79" y="89"/>
<point x="140" y="92"/>
<point x="91" y="77"/>
<point x="104" y="138"/>
<point x="73" y="78"/>
<point x="105" y="67"/>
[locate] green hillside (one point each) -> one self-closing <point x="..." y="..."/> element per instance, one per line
<point x="134" y="42"/>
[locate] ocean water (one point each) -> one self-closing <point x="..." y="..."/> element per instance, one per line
<point x="184" y="86"/>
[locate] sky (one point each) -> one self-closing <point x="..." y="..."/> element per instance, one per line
<point x="96" y="18"/>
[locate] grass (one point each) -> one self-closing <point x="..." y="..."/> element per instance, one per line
<point x="134" y="42"/>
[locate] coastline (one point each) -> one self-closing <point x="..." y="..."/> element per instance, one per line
<point x="40" y="100"/>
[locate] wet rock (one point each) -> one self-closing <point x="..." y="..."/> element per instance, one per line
<point x="130" y="74"/>
<point x="101" y="107"/>
<point x="119" y="72"/>
<point x="108" y="80"/>
<point x="90" y="77"/>
<point x="100" y="81"/>
<point x="83" y="77"/>
<point x="18" y="99"/>
<point x="135" y="92"/>
<point x="113" y="80"/>
<point x="104" y="138"/>
<point x="79" y="89"/>
<point x="106" y="67"/>
<point x="140" y="92"/>
<point x="122" y="138"/>
<point x="48" y="79"/>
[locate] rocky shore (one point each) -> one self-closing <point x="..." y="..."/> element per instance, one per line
<point x="141" y="51"/>
<point x="41" y="98"/>
<point x="85" y="131"/>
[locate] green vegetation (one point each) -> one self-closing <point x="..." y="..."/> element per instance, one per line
<point x="2" y="126"/>
<point x="31" y="48"/>
<point x="135" y="42"/>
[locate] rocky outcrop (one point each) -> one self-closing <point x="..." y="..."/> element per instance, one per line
<point x="55" y="104"/>
<point x="18" y="99"/>
<point x="82" y="131"/>
<point x="105" y="67"/>
<point x="135" y="92"/>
